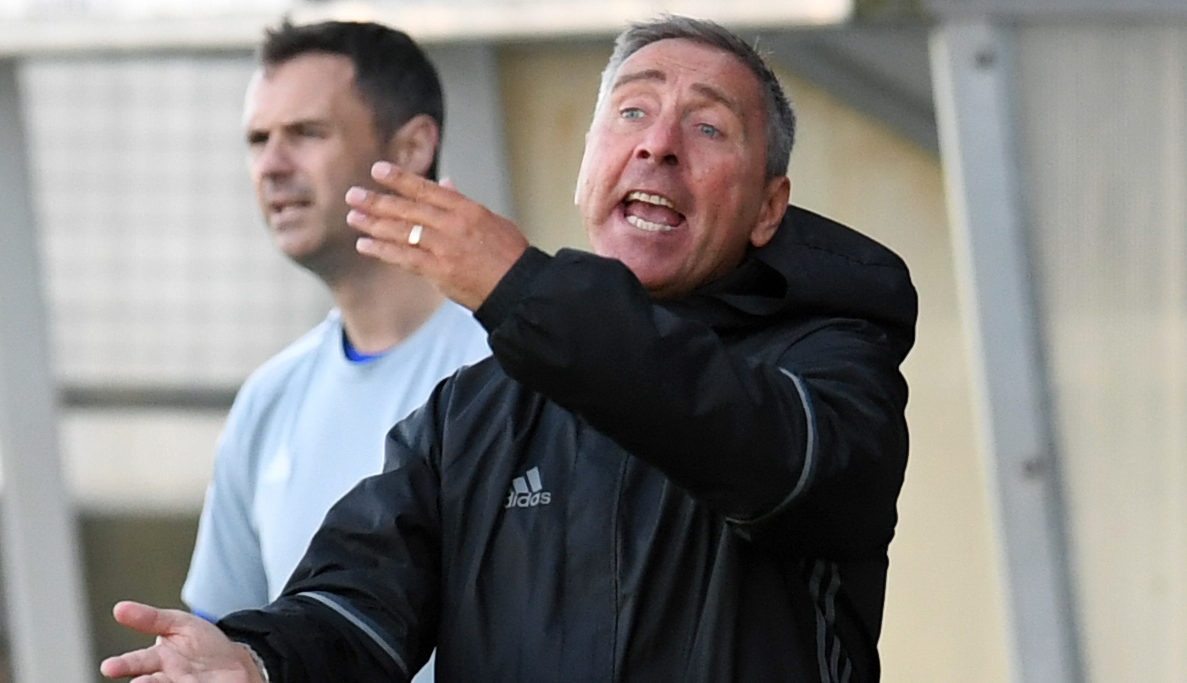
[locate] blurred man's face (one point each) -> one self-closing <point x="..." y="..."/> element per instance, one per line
<point x="672" y="182"/>
<point x="310" y="137"/>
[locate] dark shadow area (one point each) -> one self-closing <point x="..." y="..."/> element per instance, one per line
<point x="132" y="556"/>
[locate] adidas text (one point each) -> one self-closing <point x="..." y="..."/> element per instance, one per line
<point x="527" y="491"/>
<point x="527" y="500"/>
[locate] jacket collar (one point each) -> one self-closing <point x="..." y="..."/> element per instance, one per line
<point x="812" y="266"/>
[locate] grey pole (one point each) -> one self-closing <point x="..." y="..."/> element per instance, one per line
<point x="971" y="71"/>
<point x="42" y="576"/>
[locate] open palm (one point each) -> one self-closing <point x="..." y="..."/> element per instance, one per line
<point x="188" y="649"/>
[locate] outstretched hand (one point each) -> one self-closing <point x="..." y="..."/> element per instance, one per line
<point x="188" y="649"/>
<point x="461" y="246"/>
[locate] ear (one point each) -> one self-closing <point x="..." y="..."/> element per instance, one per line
<point x="414" y="144"/>
<point x="778" y="191"/>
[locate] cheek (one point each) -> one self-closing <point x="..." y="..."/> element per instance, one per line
<point x="591" y="163"/>
<point x="592" y="186"/>
<point x="336" y="176"/>
<point x="729" y="220"/>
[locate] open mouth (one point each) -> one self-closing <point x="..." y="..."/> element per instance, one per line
<point x="651" y="212"/>
<point x="279" y="207"/>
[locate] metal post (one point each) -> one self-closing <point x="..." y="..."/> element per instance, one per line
<point x="971" y="73"/>
<point x="42" y="577"/>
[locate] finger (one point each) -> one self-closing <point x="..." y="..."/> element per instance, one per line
<point x="392" y="231"/>
<point x="388" y="216"/>
<point x="415" y="259"/>
<point x="146" y="618"/>
<point x="416" y="188"/>
<point x="133" y="663"/>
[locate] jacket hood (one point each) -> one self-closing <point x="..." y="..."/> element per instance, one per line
<point x="813" y="265"/>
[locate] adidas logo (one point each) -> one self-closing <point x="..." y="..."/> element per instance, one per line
<point x="527" y="491"/>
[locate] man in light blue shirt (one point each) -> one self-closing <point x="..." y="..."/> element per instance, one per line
<point x="327" y="101"/>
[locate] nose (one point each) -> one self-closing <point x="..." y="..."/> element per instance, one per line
<point x="271" y="158"/>
<point x="661" y="142"/>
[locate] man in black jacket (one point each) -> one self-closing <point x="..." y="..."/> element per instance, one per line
<point x="683" y="459"/>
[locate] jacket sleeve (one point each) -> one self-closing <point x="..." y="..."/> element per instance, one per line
<point x="362" y="605"/>
<point x="803" y="451"/>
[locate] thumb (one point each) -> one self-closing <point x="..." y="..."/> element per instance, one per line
<point x="146" y="618"/>
<point x="447" y="183"/>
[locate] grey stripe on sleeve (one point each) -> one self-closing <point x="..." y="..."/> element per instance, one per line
<point x="359" y="621"/>
<point x="810" y="455"/>
<point x="810" y="442"/>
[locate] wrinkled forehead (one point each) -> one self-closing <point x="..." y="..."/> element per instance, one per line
<point x="681" y="62"/>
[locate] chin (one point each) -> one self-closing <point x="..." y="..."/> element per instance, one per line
<point x="296" y="249"/>
<point x="651" y="279"/>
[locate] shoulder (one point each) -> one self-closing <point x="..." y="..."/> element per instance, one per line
<point x="452" y="335"/>
<point x="275" y="374"/>
<point x="835" y="255"/>
<point x="456" y="320"/>
<point x="840" y="272"/>
<point x="476" y="390"/>
<point x="813" y="231"/>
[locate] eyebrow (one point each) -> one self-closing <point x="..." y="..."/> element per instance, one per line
<point x="704" y="89"/>
<point x="644" y="75"/>
<point x="289" y="125"/>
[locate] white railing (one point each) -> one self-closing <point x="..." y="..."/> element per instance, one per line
<point x="31" y="26"/>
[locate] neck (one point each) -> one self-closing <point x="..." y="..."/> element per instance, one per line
<point x="383" y="305"/>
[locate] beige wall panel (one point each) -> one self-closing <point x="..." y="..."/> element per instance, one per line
<point x="944" y="618"/>
<point x="548" y="98"/>
<point x="1103" y="111"/>
<point x="126" y="461"/>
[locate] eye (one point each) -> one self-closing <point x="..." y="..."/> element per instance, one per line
<point x="631" y="113"/>
<point x="708" y="130"/>
<point x="308" y="131"/>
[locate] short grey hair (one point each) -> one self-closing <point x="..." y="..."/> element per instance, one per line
<point x="780" y="119"/>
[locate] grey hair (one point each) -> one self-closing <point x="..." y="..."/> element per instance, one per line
<point x="780" y="118"/>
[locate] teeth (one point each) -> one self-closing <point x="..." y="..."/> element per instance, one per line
<point x="650" y="199"/>
<point x="648" y="225"/>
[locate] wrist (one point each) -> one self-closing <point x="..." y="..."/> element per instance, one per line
<point x="257" y="665"/>
<point x="510" y="288"/>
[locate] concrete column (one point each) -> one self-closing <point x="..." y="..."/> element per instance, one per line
<point x="972" y="75"/>
<point x="43" y="583"/>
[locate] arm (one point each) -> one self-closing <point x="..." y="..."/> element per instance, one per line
<point x="362" y="604"/>
<point x="815" y="426"/>
<point x="227" y="571"/>
<point x="770" y="443"/>
<point x="188" y="649"/>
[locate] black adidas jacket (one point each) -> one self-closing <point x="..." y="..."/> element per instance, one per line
<point x="695" y="490"/>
